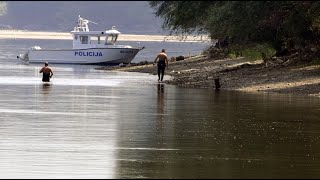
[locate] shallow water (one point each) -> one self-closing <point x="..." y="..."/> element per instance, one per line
<point x="88" y="123"/>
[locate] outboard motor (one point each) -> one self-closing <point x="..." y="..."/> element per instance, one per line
<point x="24" y="57"/>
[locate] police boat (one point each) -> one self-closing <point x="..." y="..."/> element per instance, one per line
<point x="89" y="47"/>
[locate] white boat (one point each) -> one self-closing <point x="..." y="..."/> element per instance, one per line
<point x="89" y="47"/>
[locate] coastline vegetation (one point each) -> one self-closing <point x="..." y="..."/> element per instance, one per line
<point x="257" y="45"/>
<point x="258" y="29"/>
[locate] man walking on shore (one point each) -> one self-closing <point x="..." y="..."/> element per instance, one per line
<point x="162" y="63"/>
<point x="47" y="72"/>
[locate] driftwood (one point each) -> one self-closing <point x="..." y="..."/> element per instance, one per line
<point x="239" y="67"/>
<point x="283" y="61"/>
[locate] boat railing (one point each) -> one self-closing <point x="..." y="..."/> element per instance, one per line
<point x="83" y="24"/>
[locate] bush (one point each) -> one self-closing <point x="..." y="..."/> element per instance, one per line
<point x="252" y="52"/>
<point x="316" y="61"/>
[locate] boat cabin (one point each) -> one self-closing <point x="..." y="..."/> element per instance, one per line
<point x="83" y="38"/>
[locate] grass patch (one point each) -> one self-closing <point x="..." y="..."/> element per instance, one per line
<point x="316" y="61"/>
<point x="252" y="52"/>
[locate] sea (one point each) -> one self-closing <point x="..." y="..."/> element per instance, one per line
<point x="89" y="123"/>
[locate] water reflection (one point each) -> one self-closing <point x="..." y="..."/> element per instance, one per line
<point x="96" y="124"/>
<point x="133" y="128"/>
<point x="160" y="111"/>
<point x="46" y="88"/>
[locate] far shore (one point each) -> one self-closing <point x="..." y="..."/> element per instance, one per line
<point x="19" y="34"/>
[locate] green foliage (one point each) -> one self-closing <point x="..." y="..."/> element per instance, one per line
<point x="260" y="22"/>
<point x="252" y="52"/>
<point x="182" y="16"/>
<point x="316" y="61"/>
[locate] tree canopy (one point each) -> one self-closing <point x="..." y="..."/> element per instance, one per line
<point x="295" y="23"/>
<point x="3" y="8"/>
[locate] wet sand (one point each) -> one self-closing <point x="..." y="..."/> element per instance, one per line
<point x="237" y="74"/>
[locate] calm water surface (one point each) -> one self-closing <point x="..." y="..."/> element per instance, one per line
<point x="95" y="124"/>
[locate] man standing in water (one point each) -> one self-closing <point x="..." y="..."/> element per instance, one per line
<point x="162" y="63"/>
<point x="47" y="72"/>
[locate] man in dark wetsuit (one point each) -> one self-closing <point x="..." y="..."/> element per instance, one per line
<point x="47" y="73"/>
<point x="162" y="63"/>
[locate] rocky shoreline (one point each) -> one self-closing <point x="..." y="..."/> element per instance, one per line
<point x="236" y="74"/>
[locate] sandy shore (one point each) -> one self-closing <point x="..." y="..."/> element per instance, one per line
<point x="11" y="34"/>
<point x="237" y="74"/>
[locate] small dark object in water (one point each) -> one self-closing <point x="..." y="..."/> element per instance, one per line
<point x="179" y="58"/>
<point x="217" y="83"/>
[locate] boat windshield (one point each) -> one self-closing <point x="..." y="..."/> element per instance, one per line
<point x="111" y="39"/>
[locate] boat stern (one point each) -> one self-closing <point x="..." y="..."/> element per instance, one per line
<point x="23" y="57"/>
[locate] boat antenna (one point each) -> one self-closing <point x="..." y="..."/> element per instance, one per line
<point x="80" y="18"/>
<point x="92" y="22"/>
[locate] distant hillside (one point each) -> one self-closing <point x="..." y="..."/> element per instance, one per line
<point x="130" y="17"/>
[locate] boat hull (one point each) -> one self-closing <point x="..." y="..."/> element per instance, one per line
<point x="83" y="56"/>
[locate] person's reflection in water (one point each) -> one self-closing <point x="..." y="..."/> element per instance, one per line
<point x="160" y="111"/>
<point x="46" y="87"/>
